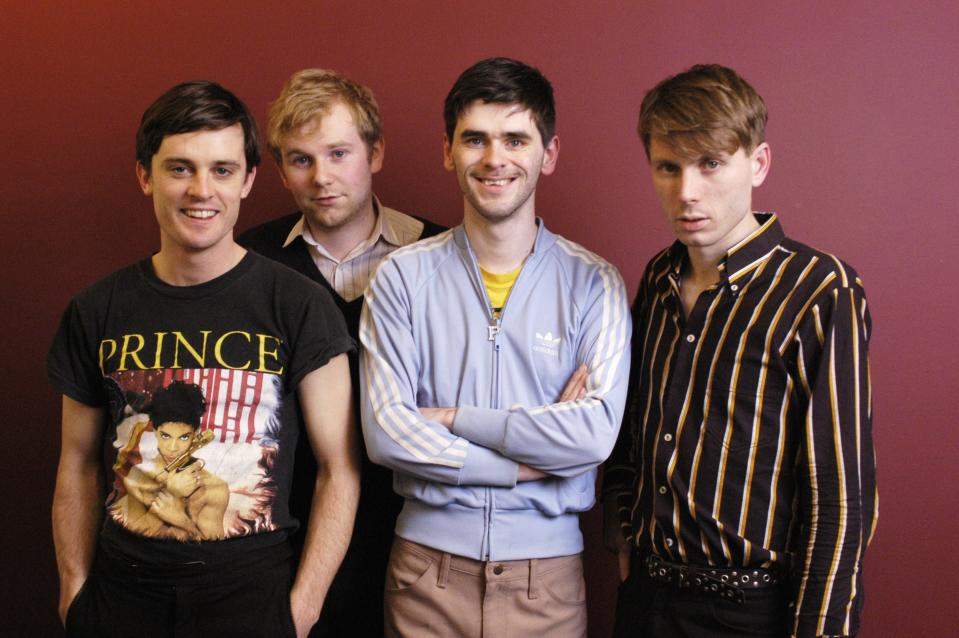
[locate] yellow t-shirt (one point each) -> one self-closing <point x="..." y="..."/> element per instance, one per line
<point x="498" y="287"/>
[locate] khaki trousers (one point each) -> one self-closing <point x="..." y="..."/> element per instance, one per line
<point x="433" y="593"/>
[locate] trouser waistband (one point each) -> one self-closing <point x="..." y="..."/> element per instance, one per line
<point x="196" y="572"/>
<point x="502" y="570"/>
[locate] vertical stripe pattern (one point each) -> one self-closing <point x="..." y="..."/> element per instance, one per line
<point x="748" y="437"/>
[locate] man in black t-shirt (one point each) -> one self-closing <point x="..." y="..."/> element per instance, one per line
<point x="198" y="366"/>
<point x="326" y="137"/>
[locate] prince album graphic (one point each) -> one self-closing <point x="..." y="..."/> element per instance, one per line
<point x="195" y="452"/>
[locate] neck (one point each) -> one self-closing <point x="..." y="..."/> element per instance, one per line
<point x="500" y="246"/>
<point x="341" y="240"/>
<point x="704" y="260"/>
<point x="180" y="268"/>
<point x="703" y="268"/>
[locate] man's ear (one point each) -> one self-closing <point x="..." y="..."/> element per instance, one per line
<point x="279" y="169"/>
<point x="760" y="158"/>
<point x="248" y="183"/>
<point x="143" y="177"/>
<point x="550" y="155"/>
<point x="376" y="155"/>
<point x="447" y="154"/>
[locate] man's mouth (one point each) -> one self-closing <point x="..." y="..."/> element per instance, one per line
<point x="199" y="213"/>
<point x="495" y="182"/>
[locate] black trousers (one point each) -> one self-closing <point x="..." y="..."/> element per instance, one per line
<point x="247" y="597"/>
<point x="650" y="609"/>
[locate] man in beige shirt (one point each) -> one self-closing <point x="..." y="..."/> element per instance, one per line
<point x="326" y="137"/>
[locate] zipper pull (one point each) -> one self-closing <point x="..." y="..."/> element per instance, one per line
<point x="493" y="330"/>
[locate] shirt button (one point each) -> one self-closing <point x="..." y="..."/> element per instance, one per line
<point x="498" y="569"/>
<point x="690" y="338"/>
<point x="668" y="437"/>
<point x="734" y="287"/>
<point x="662" y="489"/>
<point x="669" y="542"/>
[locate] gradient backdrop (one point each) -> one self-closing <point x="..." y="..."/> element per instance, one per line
<point x="863" y="99"/>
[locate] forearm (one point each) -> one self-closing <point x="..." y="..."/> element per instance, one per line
<point x="77" y="512"/>
<point x="335" y="498"/>
<point x="560" y="439"/>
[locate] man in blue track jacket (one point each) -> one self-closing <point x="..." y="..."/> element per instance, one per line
<point x="494" y="378"/>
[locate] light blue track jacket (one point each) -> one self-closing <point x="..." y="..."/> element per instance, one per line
<point x="430" y="340"/>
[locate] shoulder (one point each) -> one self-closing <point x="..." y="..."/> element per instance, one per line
<point x="583" y="265"/>
<point x="825" y="270"/>
<point x="405" y="229"/>
<point x="269" y="237"/>
<point x="121" y="281"/>
<point x="285" y="285"/>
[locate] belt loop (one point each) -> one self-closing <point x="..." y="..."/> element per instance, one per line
<point x="533" y="579"/>
<point x="444" y="571"/>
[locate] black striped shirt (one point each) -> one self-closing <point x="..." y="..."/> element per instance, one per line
<point x="747" y="439"/>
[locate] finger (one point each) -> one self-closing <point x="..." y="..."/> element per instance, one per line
<point x="576" y="384"/>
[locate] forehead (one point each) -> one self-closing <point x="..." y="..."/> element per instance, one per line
<point x="175" y="428"/>
<point x="664" y="149"/>
<point x="204" y="146"/>
<point x="496" y="117"/>
<point x="336" y="124"/>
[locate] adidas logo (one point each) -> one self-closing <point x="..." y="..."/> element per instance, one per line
<point x="547" y="344"/>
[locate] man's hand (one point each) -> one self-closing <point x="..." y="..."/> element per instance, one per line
<point x="68" y="591"/>
<point x="613" y="536"/>
<point x="305" y="614"/>
<point x="527" y="473"/>
<point x="443" y="416"/>
<point x="623" y="557"/>
<point x="576" y="386"/>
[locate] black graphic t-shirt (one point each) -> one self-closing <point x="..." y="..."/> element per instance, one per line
<point x="199" y="387"/>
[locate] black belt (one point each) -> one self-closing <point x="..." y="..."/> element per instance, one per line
<point x="728" y="582"/>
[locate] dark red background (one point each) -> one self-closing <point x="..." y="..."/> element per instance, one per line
<point x="863" y="97"/>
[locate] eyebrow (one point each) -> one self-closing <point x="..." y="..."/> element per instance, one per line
<point x="170" y="161"/>
<point x="465" y="133"/>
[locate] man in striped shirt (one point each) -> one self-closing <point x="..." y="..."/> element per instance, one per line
<point x="741" y="493"/>
<point x="326" y="137"/>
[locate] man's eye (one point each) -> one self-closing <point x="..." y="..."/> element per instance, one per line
<point x="339" y="154"/>
<point x="514" y="143"/>
<point x="300" y="160"/>
<point x="179" y="170"/>
<point x="223" y="172"/>
<point x="474" y="141"/>
<point x="711" y="164"/>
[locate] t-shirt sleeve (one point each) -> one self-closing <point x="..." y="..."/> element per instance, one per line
<point x="72" y="366"/>
<point x="321" y="332"/>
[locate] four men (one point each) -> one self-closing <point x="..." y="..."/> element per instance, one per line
<point x="495" y="366"/>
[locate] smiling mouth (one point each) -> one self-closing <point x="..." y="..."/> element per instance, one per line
<point x="199" y="213"/>
<point x="494" y="181"/>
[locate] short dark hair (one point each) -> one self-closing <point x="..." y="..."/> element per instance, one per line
<point x="179" y="402"/>
<point x="709" y="108"/>
<point x="503" y="81"/>
<point x="195" y="106"/>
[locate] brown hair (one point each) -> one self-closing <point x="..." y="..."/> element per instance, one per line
<point x="310" y="94"/>
<point x="195" y="106"/>
<point x="708" y="108"/>
<point x="503" y="81"/>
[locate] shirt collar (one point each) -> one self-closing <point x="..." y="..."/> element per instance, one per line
<point x="382" y="228"/>
<point x="741" y="258"/>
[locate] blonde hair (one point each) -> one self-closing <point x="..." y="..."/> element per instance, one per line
<point x="707" y="109"/>
<point x="310" y="94"/>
